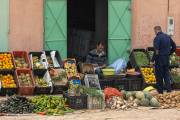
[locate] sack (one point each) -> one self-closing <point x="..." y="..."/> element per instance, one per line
<point x="87" y="68"/>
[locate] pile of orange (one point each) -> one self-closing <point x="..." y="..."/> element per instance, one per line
<point x="148" y="74"/>
<point x="6" y="61"/>
<point x="7" y="81"/>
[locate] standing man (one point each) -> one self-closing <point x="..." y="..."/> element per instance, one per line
<point x="97" y="58"/>
<point x="164" y="46"/>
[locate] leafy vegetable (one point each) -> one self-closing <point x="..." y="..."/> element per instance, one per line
<point x="141" y="58"/>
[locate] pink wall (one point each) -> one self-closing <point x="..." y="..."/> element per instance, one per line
<point x="26" y="25"/>
<point x="149" y="13"/>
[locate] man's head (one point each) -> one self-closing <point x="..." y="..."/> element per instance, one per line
<point x="100" y="47"/>
<point x="157" y="29"/>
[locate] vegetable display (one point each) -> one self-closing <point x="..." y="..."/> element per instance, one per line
<point x="40" y="82"/>
<point x="149" y="76"/>
<point x="59" y="76"/>
<point x="174" y="59"/>
<point x="6" y="61"/>
<point x="51" y="105"/>
<point x="25" y="79"/>
<point x="37" y="63"/>
<point x="141" y="58"/>
<point x="169" y="100"/>
<point x="175" y="72"/>
<point x="20" y="62"/>
<point x="16" y="105"/>
<point x="7" y="81"/>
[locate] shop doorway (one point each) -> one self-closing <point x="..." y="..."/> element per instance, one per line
<point x="87" y="23"/>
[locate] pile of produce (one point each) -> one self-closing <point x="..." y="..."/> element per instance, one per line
<point x="148" y="74"/>
<point x="40" y="82"/>
<point x="169" y="100"/>
<point x="59" y="76"/>
<point x="50" y="105"/>
<point x="119" y="103"/>
<point x="16" y="105"/>
<point x="25" y="79"/>
<point x="174" y="59"/>
<point x="175" y="72"/>
<point x="7" y="81"/>
<point x="37" y="63"/>
<point x="71" y="69"/>
<point x="132" y="100"/>
<point x="20" y="62"/>
<point x="141" y="58"/>
<point x="6" y="61"/>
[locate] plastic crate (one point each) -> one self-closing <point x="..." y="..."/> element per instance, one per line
<point x="76" y="102"/>
<point x="38" y="54"/>
<point x="107" y="81"/>
<point x="133" y="60"/>
<point x="57" y="56"/>
<point x="22" y="54"/>
<point x="12" y="60"/>
<point x="43" y="90"/>
<point x="122" y="84"/>
<point x="59" y="89"/>
<point x="95" y="103"/>
<point x="9" y="91"/>
<point x="25" y="90"/>
<point x="135" y="84"/>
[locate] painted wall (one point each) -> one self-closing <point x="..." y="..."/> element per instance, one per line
<point x="26" y="25"/>
<point x="4" y="24"/>
<point x="149" y="13"/>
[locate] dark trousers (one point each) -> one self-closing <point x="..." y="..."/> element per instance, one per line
<point x="162" y="73"/>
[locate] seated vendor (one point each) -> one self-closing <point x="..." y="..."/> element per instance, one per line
<point x="97" y="58"/>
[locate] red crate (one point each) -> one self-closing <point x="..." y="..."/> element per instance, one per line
<point x="178" y="51"/>
<point x="22" y="54"/>
<point x="25" y="90"/>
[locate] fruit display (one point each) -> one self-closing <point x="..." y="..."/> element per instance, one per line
<point x="148" y="74"/>
<point x="20" y="62"/>
<point x="175" y="72"/>
<point x="6" y="61"/>
<point x="7" y="81"/>
<point x="58" y="76"/>
<point x="40" y="82"/>
<point x="141" y="58"/>
<point x="169" y="100"/>
<point x="37" y="63"/>
<point x="71" y="69"/>
<point x="25" y="79"/>
<point x="174" y="60"/>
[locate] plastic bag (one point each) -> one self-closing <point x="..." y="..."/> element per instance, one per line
<point x="119" y="65"/>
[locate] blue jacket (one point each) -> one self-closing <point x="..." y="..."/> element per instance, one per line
<point x="165" y="45"/>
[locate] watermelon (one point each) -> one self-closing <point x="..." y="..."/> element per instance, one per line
<point x="154" y="102"/>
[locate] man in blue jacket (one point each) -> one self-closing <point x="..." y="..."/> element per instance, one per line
<point x="164" y="46"/>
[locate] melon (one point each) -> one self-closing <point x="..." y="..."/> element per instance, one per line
<point x="147" y="95"/>
<point x="144" y="102"/>
<point x="139" y="95"/>
<point x="154" y="102"/>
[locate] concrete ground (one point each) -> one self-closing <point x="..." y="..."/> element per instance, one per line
<point x="135" y="114"/>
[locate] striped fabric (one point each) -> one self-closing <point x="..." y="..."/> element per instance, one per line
<point x="95" y="58"/>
